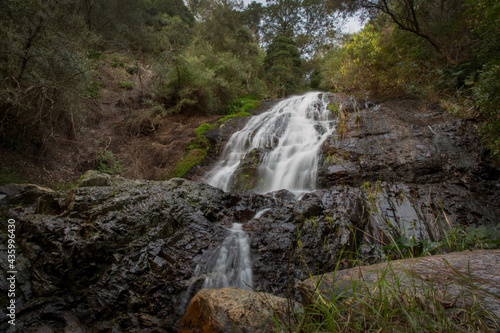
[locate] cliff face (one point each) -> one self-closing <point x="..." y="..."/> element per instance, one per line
<point x="437" y="157"/>
<point x="121" y="254"/>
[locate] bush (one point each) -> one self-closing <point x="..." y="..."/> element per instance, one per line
<point x="107" y="163"/>
<point x="487" y="94"/>
<point x="126" y="85"/>
<point x="283" y="66"/>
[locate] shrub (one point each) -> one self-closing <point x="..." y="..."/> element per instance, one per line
<point x="487" y="94"/>
<point x="126" y="85"/>
<point x="107" y="163"/>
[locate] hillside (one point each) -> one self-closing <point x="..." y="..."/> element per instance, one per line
<point x="120" y="131"/>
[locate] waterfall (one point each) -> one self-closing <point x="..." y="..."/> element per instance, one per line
<point x="288" y="137"/>
<point x="230" y="265"/>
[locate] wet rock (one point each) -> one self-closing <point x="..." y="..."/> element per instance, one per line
<point x="399" y="141"/>
<point x="294" y="238"/>
<point x="456" y="280"/>
<point x="23" y="194"/>
<point x="123" y="249"/>
<point x="234" y="310"/>
<point x="246" y="177"/>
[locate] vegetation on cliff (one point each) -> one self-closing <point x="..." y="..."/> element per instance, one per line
<point x="445" y="52"/>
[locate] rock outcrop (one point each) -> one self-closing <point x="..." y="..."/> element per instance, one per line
<point x="123" y="256"/>
<point x="234" y="310"/>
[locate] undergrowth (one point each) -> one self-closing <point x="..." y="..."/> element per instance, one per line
<point x="396" y="302"/>
<point x="8" y="176"/>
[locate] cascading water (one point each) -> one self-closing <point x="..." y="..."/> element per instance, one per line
<point x="289" y="135"/>
<point x="230" y="265"/>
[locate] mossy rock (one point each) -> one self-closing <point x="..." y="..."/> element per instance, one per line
<point x="246" y="177"/>
<point x="94" y="178"/>
<point x="194" y="157"/>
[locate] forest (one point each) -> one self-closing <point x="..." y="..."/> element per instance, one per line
<point x="230" y="166"/>
<point x="206" y="55"/>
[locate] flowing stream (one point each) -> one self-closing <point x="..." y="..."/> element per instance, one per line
<point x="288" y="137"/>
<point x="230" y="265"/>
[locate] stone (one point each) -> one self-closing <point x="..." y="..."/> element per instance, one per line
<point x="26" y="194"/>
<point x="457" y="279"/>
<point x="234" y="310"/>
<point x="94" y="178"/>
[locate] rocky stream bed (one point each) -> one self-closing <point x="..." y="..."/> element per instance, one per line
<point x="116" y="255"/>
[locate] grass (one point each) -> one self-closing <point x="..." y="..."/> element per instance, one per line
<point x="8" y="176"/>
<point x="107" y="163"/>
<point x="236" y="115"/>
<point x="202" y="129"/>
<point x="126" y="85"/>
<point x="395" y="303"/>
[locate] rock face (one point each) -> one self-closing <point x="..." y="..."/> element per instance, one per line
<point x="406" y="142"/>
<point x="234" y="310"/>
<point x="123" y="256"/>
<point x="461" y="279"/>
<point x="417" y="150"/>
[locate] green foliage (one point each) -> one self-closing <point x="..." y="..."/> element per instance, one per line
<point x="157" y="9"/>
<point x="410" y="247"/>
<point x="369" y="62"/>
<point x="335" y="108"/>
<point x="107" y="163"/>
<point x="194" y="156"/>
<point x="44" y="69"/>
<point x="470" y="238"/>
<point x="202" y="129"/>
<point x="236" y="115"/>
<point x="315" y="79"/>
<point x="283" y="66"/>
<point x="8" y="176"/>
<point x="206" y="73"/>
<point x="126" y="85"/>
<point x="144" y="122"/>
<point x="487" y="94"/>
<point x="309" y="22"/>
<point x="248" y="102"/>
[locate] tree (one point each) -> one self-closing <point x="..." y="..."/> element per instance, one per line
<point x="43" y="67"/>
<point x="308" y="22"/>
<point x="222" y="62"/>
<point x="431" y="20"/>
<point x="283" y="66"/>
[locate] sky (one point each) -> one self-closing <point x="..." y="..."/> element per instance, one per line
<point x="352" y="24"/>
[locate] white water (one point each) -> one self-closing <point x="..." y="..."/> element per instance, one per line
<point x="230" y="265"/>
<point x="291" y="134"/>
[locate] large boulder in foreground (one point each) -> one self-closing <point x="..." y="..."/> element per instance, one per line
<point x="233" y="310"/>
<point x="457" y="280"/>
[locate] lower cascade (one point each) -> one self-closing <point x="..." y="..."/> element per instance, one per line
<point x="288" y="137"/>
<point x="230" y="265"/>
